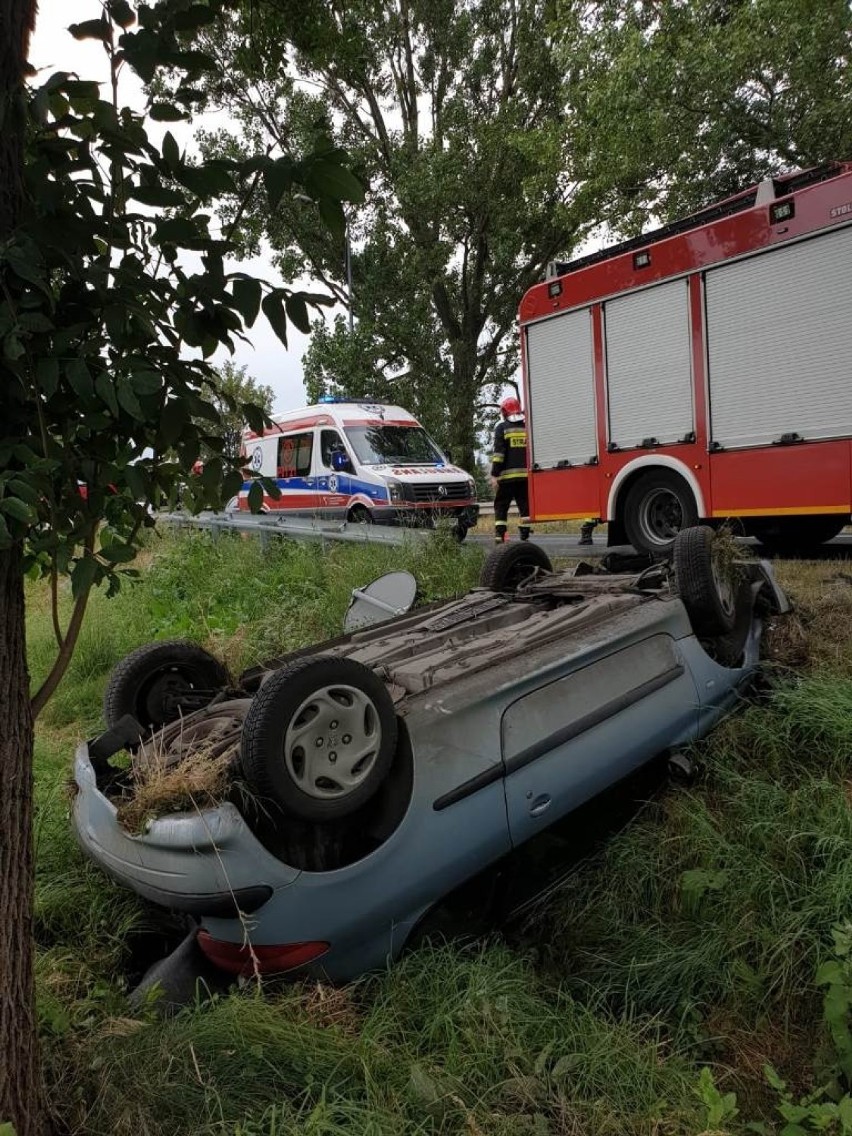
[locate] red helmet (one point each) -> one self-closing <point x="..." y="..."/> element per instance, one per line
<point x="510" y="405"/>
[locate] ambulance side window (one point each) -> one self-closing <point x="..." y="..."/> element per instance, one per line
<point x="294" y="455"/>
<point x="330" y="441"/>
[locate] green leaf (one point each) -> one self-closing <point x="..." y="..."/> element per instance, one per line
<point x="171" y="150"/>
<point x="176" y="230"/>
<point x="297" y="312"/>
<point x="18" y="510"/>
<point x="25" y="490"/>
<point x="91" y="29"/>
<point x="328" y="179"/>
<point x="83" y="575"/>
<point x="157" y="195"/>
<point x="82" y="89"/>
<point x="80" y="377"/>
<point x="273" y="309"/>
<point x="333" y="217"/>
<point x="247" y="296"/>
<point x="128" y="401"/>
<point x="47" y="374"/>
<point x="829" y="973"/>
<point x="193" y="18"/>
<point x="205" y="181"/>
<point x="105" y="389"/>
<point x="173" y="421"/>
<point x="119" y="553"/>
<point x="255" y="497"/>
<point x="278" y="179"/>
<point x="121" y="12"/>
<point x="166" y="112"/>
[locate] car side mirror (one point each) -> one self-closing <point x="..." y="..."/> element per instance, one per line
<point x="340" y="462"/>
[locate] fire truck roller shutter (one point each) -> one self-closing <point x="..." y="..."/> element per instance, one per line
<point x="649" y="373"/>
<point x="779" y="341"/>
<point x="562" y="390"/>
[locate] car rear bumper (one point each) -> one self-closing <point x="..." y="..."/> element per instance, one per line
<point x="203" y="863"/>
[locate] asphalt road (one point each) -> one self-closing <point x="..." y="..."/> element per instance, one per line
<point x="567" y="545"/>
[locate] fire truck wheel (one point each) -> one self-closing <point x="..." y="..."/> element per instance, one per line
<point x="511" y="565"/>
<point x="160" y="682"/>
<point x="656" y="508"/>
<point x="320" y="738"/>
<point x="708" y="586"/>
<point x="795" y="534"/>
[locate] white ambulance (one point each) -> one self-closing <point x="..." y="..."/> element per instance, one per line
<point x="358" y="461"/>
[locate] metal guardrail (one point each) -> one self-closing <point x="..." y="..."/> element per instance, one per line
<point x="298" y="528"/>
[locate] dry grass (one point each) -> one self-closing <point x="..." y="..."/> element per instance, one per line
<point x="819" y="631"/>
<point x="197" y="782"/>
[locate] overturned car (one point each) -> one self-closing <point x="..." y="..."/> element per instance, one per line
<point x="370" y="776"/>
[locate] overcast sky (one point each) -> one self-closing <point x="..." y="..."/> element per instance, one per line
<point x="54" y="49"/>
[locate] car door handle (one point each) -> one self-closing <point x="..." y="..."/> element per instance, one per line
<point x="540" y="805"/>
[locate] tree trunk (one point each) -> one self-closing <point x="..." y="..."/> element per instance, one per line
<point x="20" y="1090"/>
<point x="20" y="1087"/>
<point x="461" y="402"/>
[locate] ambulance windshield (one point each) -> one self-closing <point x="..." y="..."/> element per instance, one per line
<point x="393" y="445"/>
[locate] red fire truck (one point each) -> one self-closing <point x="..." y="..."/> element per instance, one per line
<point x="703" y="371"/>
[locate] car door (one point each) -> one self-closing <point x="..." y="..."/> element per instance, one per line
<point x="569" y="739"/>
<point x="333" y="489"/>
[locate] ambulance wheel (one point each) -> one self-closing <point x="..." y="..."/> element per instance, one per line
<point x="360" y="515"/>
<point x="511" y="565"/>
<point x="320" y="738"/>
<point x="161" y="682"/>
<point x="657" y="507"/>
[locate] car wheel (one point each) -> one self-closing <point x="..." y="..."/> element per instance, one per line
<point x="657" y="507"/>
<point x="706" y="585"/>
<point x="320" y="738"/>
<point x="360" y="515"/>
<point x="160" y="682"/>
<point x="214" y="731"/>
<point x="511" y="565"/>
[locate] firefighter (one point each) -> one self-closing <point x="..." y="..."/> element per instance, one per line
<point x="509" y="469"/>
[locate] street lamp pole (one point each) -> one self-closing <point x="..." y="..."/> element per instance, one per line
<point x="349" y="272"/>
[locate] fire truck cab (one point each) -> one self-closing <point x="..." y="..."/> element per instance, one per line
<point x="701" y="372"/>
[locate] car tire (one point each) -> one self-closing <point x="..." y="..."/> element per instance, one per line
<point x="158" y="682"/>
<point x="300" y="712"/>
<point x="657" y="507"/>
<point x="511" y="565"/>
<point x="708" y="593"/>
<point x="360" y="515"/>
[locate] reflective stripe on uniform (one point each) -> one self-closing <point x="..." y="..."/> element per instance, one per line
<point x="512" y="474"/>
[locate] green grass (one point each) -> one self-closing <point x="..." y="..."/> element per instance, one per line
<point x="693" y="937"/>
<point x="448" y="1042"/>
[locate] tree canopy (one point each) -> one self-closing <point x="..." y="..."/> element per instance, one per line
<point x="675" y="104"/>
<point x="453" y="116"/>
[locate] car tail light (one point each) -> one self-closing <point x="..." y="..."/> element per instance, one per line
<point x="242" y="958"/>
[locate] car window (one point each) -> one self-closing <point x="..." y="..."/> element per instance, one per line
<point x="294" y="454"/>
<point x="330" y="441"/>
<point x="553" y="714"/>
